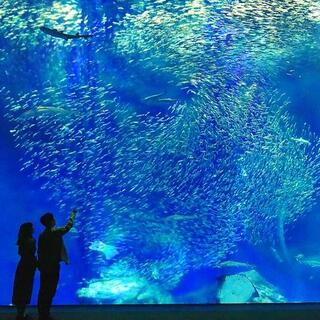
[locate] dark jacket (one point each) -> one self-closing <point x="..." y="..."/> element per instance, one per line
<point x="51" y="248"/>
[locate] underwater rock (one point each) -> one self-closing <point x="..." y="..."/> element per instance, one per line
<point x="111" y="289"/>
<point x="236" y="289"/>
<point x="247" y="287"/>
<point x="125" y="291"/>
<point x="120" y="284"/>
<point x="203" y="284"/>
<point x="267" y="292"/>
<point x="109" y="251"/>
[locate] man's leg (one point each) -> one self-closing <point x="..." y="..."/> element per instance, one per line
<point x="43" y="302"/>
<point x="20" y="311"/>
<point x="54" y="279"/>
<point x="48" y="286"/>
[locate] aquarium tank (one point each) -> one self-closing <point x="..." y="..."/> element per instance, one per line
<point x="185" y="132"/>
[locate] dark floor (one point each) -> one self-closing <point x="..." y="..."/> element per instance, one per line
<point x="179" y="312"/>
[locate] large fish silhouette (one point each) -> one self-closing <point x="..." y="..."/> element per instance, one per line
<point x="59" y="34"/>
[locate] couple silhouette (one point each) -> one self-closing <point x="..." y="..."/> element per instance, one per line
<point x="51" y="251"/>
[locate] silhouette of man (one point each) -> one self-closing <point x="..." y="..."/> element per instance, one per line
<point x="51" y="251"/>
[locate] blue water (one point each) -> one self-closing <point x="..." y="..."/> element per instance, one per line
<point x="185" y="132"/>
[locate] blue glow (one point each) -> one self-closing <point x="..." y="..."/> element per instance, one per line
<point x="186" y="133"/>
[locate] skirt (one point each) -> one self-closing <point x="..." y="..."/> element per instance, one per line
<point x="23" y="282"/>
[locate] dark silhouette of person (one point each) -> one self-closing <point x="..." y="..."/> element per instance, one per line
<point x="24" y="276"/>
<point x="51" y="251"/>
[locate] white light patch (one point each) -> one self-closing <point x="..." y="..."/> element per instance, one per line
<point x="314" y="13"/>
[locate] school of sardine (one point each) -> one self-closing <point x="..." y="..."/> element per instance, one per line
<point x="164" y="129"/>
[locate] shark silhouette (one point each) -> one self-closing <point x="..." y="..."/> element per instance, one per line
<point x="59" y="34"/>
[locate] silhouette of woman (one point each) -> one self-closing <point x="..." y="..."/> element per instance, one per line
<point x="23" y="281"/>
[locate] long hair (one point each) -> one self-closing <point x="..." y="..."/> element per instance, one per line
<point x="25" y="233"/>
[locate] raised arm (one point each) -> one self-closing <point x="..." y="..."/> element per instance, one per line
<point x="65" y="229"/>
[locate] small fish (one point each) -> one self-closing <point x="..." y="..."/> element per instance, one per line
<point x="154" y="96"/>
<point x="236" y="264"/>
<point x="178" y="217"/>
<point x="167" y="100"/>
<point x="301" y="141"/>
<point x="59" y="34"/>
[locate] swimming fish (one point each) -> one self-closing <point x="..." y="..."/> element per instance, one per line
<point x="301" y="141"/>
<point x="59" y="34"/>
<point x="236" y="264"/>
<point x="42" y="110"/>
<point x="313" y="261"/>
<point x="178" y="217"/>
